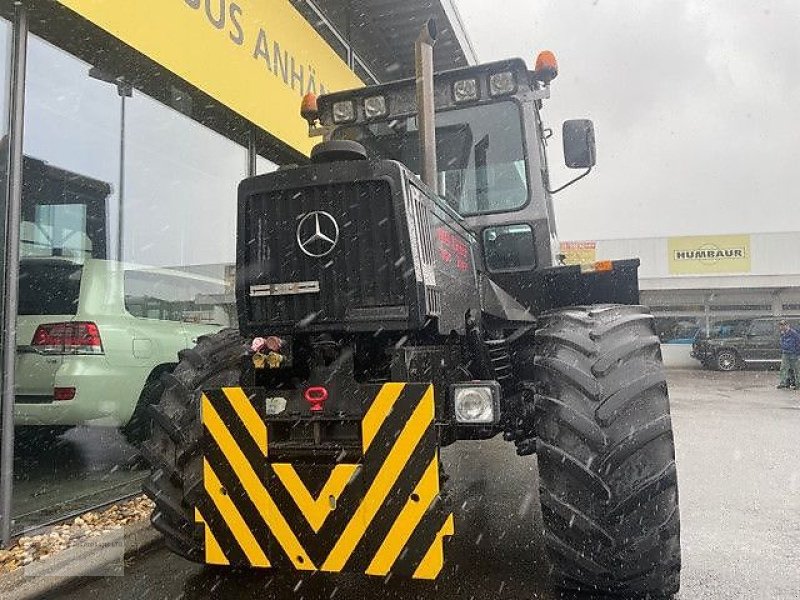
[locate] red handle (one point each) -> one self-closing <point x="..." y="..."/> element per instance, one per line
<point x="316" y="397"/>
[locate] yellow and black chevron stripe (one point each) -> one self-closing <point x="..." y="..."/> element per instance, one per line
<point x="381" y="515"/>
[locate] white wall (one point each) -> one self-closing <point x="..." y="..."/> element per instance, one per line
<point x="676" y="356"/>
<point x="771" y="254"/>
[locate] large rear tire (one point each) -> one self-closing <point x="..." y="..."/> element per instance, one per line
<point x="600" y="421"/>
<point x="173" y="451"/>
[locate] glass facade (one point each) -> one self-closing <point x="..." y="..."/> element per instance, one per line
<point x="127" y="250"/>
<point x="5" y="68"/>
<point x="183" y="172"/>
<point x="264" y="165"/>
<point x="127" y="255"/>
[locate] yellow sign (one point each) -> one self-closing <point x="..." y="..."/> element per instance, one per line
<point x="257" y="57"/>
<point x="579" y="253"/>
<point x="709" y="254"/>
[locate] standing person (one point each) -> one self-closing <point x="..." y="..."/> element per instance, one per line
<point x="790" y="356"/>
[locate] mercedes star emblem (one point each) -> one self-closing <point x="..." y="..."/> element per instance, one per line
<point x="317" y="234"/>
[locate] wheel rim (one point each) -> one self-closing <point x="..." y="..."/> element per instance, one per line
<point x="726" y="361"/>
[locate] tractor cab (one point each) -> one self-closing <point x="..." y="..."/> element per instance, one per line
<point x="490" y="150"/>
<point x="490" y="169"/>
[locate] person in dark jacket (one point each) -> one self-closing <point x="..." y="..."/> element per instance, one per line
<point x="790" y="356"/>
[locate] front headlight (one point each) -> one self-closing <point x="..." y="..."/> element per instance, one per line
<point x="465" y="90"/>
<point x="476" y="403"/>
<point x="375" y="107"/>
<point x="344" y="111"/>
<point x="503" y="83"/>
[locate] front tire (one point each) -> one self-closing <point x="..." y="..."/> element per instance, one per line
<point x="727" y="360"/>
<point x="600" y="422"/>
<point x="173" y="451"/>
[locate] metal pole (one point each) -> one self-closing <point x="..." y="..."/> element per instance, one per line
<point x="121" y="195"/>
<point x="13" y="210"/>
<point x="252" y="154"/>
<point x="426" y="112"/>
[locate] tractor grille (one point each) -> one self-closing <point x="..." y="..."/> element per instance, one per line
<point x="365" y="268"/>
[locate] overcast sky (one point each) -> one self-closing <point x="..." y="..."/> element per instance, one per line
<point x="696" y="105"/>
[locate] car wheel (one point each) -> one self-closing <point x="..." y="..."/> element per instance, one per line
<point x="727" y="360"/>
<point x="139" y="428"/>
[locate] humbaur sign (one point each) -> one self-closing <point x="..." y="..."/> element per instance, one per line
<point x="697" y="255"/>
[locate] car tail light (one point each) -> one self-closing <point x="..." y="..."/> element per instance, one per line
<point x="63" y="393"/>
<point x="79" y="337"/>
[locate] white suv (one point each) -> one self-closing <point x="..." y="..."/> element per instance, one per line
<point x="95" y="336"/>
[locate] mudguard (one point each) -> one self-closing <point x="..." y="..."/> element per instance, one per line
<point x="379" y="511"/>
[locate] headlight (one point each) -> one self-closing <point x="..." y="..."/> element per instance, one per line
<point x="344" y="111"/>
<point x="465" y="90"/>
<point x="375" y="107"/>
<point x="476" y="403"/>
<point x="502" y="83"/>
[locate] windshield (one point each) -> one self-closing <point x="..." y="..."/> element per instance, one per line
<point x="479" y="150"/>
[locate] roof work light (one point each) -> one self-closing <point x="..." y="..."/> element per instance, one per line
<point x="546" y="67"/>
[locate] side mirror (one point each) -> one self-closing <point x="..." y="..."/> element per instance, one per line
<point x="579" y="149"/>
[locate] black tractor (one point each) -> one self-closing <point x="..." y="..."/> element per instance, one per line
<point x="402" y="292"/>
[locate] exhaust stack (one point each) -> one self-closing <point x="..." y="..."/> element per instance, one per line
<point x="425" y="104"/>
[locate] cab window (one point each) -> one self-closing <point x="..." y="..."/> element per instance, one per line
<point x="180" y="297"/>
<point x="480" y="154"/>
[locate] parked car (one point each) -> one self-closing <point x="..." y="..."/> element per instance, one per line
<point x="95" y="337"/>
<point x="676" y="331"/>
<point x="736" y="344"/>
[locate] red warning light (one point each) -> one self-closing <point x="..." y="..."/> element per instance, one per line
<point x="316" y="397"/>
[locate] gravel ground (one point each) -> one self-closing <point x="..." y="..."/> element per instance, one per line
<point x="37" y="547"/>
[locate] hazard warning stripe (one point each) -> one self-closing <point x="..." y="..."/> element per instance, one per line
<point x="383" y="443"/>
<point x="249" y="511"/>
<point x="233" y="518"/>
<point x="396" y="500"/>
<point x="431" y="564"/>
<point x="214" y="554"/>
<point x="381" y="408"/>
<point x="216" y="526"/>
<point x="235" y="424"/>
<point x="318" y="544"/>
<point x="380" y="516"/>
<point x="381" y="485"/>
<point x="407" y="521"/>
<point x="254" y="488"/>
<point x="425" y="539"/>
<point x="243" y="407"/>
<point x="315" y="510"/>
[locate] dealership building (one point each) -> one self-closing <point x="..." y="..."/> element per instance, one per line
<point x="703" y="280"/>
<point x="125" y="128"/>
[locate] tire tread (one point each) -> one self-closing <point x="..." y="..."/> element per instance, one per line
<point x="173" y="452"/>
<point x="603" y="435"/>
